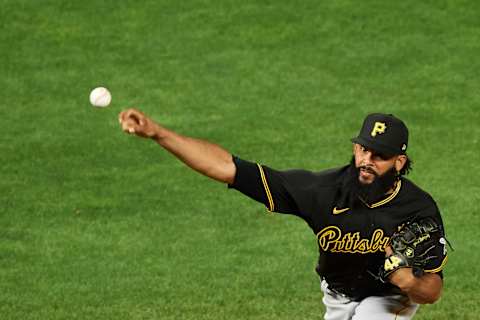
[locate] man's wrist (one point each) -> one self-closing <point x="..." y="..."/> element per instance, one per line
<point x="402" y="278"/>
<point x="158" y="134"/>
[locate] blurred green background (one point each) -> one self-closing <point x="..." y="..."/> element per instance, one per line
<point x="95" y="224"/>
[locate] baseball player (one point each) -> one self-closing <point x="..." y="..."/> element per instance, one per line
<point x="380" y="237"/>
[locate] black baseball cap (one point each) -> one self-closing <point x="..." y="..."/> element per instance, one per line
<point x="383" y="133"/>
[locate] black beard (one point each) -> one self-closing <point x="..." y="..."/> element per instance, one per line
<point x="372" y="192"/>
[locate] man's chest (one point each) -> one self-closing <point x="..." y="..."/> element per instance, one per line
<point x="361" y="230"/>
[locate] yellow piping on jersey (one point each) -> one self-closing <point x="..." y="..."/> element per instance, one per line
<point x="439" y="268"/>
<point x="378" y="204"/>
<point x="389" y="198"/>
<point x="267" y="189"/>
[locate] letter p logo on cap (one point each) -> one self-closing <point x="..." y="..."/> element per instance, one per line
<point x="378" y="128"/>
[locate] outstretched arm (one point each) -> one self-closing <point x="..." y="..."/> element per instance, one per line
<point x="207" y="158"/>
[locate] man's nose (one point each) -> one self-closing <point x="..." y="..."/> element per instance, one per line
<point x="367" y="158"/>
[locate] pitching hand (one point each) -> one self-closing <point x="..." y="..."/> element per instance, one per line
<point x="135" y="122"/>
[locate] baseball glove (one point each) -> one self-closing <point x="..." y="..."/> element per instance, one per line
<point x="413" y="247"/>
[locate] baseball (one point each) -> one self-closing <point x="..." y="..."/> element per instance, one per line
<point x="100" y="97"/>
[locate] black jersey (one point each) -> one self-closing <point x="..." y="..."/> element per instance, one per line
<point x="351" y="241"/>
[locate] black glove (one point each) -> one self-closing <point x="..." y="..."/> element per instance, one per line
<point x="413" y="247"/>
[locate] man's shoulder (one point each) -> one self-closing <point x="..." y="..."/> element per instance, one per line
<point x="323" y="178"/>
<point x="419" y="202"/>
<point x="412" y="192"/>
<point x="333" y="175"/>
<point x="330" y="177"/>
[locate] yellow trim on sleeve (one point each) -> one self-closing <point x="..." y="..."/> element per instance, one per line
<point x="271" y="205"/>
<point x="439" y="268"/>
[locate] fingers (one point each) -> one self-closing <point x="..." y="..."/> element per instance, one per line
<point x="131" y="114"/>
<point x="388" y="251"/>
<point x="131" y="120"/>
<point x="135" y="122"/>
<point x="135" y="116"/>
<point x="129" y="126"/>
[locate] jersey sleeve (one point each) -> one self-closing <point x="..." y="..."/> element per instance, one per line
<point x="279" y="191"/>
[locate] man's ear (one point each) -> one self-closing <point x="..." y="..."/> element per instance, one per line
<point x="400" y="162"/>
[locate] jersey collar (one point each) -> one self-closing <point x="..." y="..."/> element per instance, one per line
<point x="390" y="197"/>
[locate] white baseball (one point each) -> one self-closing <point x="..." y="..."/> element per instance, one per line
<point x="100" y="97"/>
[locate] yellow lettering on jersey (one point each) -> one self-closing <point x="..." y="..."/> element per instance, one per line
<point x="330" y="236"/>
<point x="361" y="246"/>
<point x="349" y="240"/>
<point x="330" y="239"/>
<point x="378" y="241"/>
<point x="378" y="128"/>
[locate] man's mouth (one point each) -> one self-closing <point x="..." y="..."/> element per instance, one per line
<point x="366" y="173"/>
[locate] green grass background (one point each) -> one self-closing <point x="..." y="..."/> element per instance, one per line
<point x="95" y="224"/>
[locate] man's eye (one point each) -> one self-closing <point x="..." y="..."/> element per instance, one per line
<point x="381" y="157"/>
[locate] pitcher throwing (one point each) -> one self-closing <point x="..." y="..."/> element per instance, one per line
<point x="381" y="238"/>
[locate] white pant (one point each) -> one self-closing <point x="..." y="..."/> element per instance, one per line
<point x="339" y="307"/>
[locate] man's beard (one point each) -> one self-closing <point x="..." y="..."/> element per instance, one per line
<point x="372" y="192"/>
